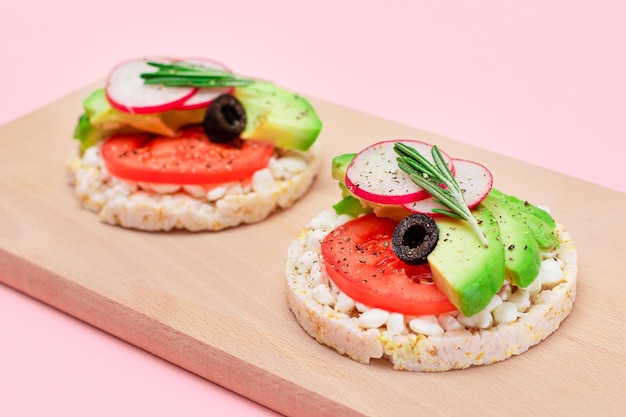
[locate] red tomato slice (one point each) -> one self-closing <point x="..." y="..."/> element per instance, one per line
<point x="189" y="158"/>
<point x="359" y="258"/>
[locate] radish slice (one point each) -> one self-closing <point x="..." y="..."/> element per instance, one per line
<point x="374" y="175"/>
<point x="127" y="92"/>
<point x="204" y="96"/>
<point x="474" y="179"/>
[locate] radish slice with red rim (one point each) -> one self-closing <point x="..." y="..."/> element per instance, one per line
<point x="127" y="92"/>
<point x="205" y="95"/>
<point x="374" y="175"/>
<point x="475" y="181"/>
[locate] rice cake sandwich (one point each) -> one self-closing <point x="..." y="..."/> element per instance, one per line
<point x="187" y="144"/>
<point x="423" y="262"/>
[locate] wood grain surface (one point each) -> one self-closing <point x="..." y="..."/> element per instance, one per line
<point x="214" y="303"/>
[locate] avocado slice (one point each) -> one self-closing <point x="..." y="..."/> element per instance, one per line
<point x="349" y="204"/>
<point x="101" y="120"/>
<point x="339" y="165"/>
<point x="102" y="115"/>
<point x="539" y="222"/>
<point x="469" y="273"/>
<point x="86" y="133"/>
<point x="522" y="255"/>
<point x="278" y="115"/>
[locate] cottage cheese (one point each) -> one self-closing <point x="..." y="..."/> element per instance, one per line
<point x="165" y="207"/>
<point x="514" y="320"/>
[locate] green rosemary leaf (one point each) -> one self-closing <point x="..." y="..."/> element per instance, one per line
<point x="414" y="159"/>
<point x="188" y="74"/>
<point x="448" y="213"/>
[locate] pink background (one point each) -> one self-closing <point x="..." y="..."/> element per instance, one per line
<point x="540" y="81"/>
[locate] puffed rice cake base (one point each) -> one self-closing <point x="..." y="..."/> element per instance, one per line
<point x="150" y="211"/>
<point x="455" y="349"/>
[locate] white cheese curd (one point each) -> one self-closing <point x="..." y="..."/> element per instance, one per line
<point x="293" y="164"/>
<point x="163" y="188"/>
<point x="535" y="287"/>
<point x="91" y="158"/>
<point x="322" y="295"/>
<point x="314" y="240"/>
<point x="150" y="206"/>
<point x="262" y="180"/>
<point x="521" y="298"/>
<point x="395" y="325"/>
<point x="505" y="291"/>
<point x="197" y="191"/>
<point x="428" y="325"/>
<point x="344" y="304"/>
<point x="360" y="307"/>
<point x="449" y="322"/>
<point x="278" y="169"/>
<point x="306" y="261"/>
<point x="480" y="320"/>
<point x="506" y="312"/>
<point x="317" y="276"/>
<point x="514" y="319"/>
<point x="495" y="302"/>
<point x="373" y="318"/>
<point x="551" y="271"/>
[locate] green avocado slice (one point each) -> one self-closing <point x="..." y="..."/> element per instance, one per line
<point x="349" y="204"/>
<point x="469" y="273"/>
<point x="522" y="255"/>
<point x="100" y="120"/>
<point x="339" y="165"/>
<point x="278" y="115"/>
<point x="539" y="222"/>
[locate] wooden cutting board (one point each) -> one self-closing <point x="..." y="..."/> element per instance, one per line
<point x="214" y="303"/>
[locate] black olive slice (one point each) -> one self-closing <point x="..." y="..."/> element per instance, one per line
<point x="224" y="119"/>
<point x="414" y="238"/>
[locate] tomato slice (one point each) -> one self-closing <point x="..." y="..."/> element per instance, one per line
<point x="359" y="258"/>
<point x="189" y="158"/>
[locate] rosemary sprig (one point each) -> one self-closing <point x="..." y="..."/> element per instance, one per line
<point x="439" y="182"/>
<point x="188" y="74"/>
